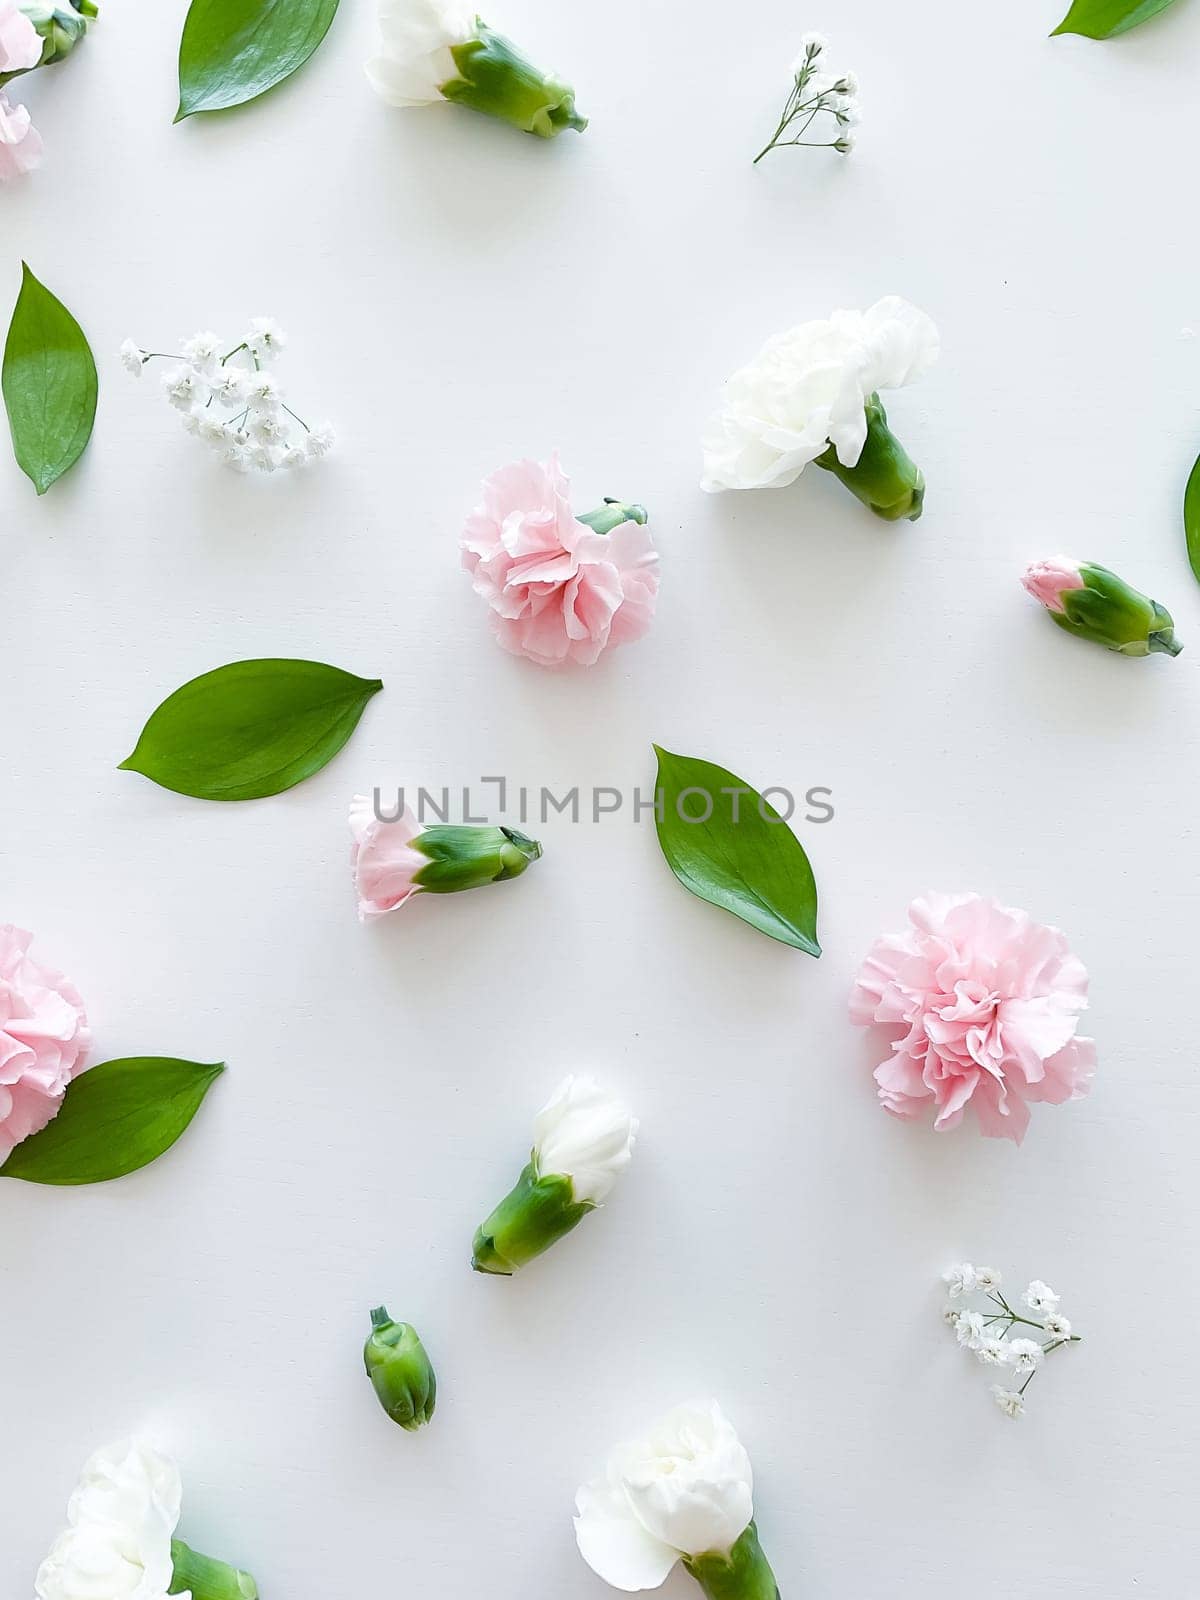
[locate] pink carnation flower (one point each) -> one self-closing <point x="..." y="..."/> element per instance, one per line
<point x="982" y="1004"/>
<point x="559" y="590"/>
<point x="44" y="1040"/>
<point x="1048" y="581"/>
<point x="383" y="859"/>
<point x="20" y="49"/>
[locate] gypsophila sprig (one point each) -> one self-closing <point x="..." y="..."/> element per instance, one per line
<point x="232" y="400"/>
<point x="820" y="102"/>
<point x="985" y="1329"/>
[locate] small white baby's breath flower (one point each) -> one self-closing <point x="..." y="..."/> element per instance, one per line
<point x="320" y="440"/>
<point x="813" y="43"/>
<point x="987" y="1279"/>
<point x="993" y="1352"/>
<point x="849" y="114"/>
<point x="203" y="351"/>
<point x="229" y="386"/>
<point x="847" y="84"/>
<point x="191" y="422"/>
<point x="184" y="388"/>
<point x="267" y="430"/>
<point x="266" y="338"/>
<point x="1057" y="1326"/>
<point x="263" y="392"/>
<point x="1040" y="1297"/>
<point x="959" y="1279"/>
<point x="263" y="458"/>
<point x="235" y="456"/>
<point x="950" y="1315"/>
<point x="294" y="457"/>
<point x="212" y="430"/>
<point x="970" y="1330"/>
<point x="846" y="143"/>
<point x="1009" y="1401"/>
<point x="1024" y="1355"/>
<point x="133" y="357"/>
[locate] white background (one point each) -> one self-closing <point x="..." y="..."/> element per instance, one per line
<point x="458" y="295"/>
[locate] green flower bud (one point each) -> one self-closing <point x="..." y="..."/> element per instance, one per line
<point x="206" y="1579"/>
<point x="534" y="1214"/>
<point x="612" y="514"/>
<point x="468" y="858"/>
<point x="885" y="478"/>
<point x="742" y="1573"/>
<point x="400" y="1370"/>
<point x="60" y="26"/>
<point x="495" y="78"/>
<point x="1093" y="603"/>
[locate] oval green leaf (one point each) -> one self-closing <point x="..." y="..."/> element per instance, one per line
<point x="50" y="384"/>
<point x="250" y="729"/>
<point x="742" y="856"/>
<point x="234" y="50"/>
<point x="1104" y="19"/>
<point x="1191" y="519"/>
<point x="115" y="1119"/>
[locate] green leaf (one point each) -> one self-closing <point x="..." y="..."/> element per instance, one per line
<point x="1191" y="519"/>
<point x="1104" y="19"/>
<point x="50" y="384"/>
<point x="234" y="50"/>
<point x="115" y="1119"/>
<point x="250" y="729"/>
<point x="742" y="857"/>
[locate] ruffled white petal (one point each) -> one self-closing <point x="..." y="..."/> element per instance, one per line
<point x="615" y="1544"/>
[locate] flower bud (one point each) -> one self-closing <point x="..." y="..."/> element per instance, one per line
<point x="1093" y="603"/>
<point x="206" y="1579"/>
<point x="60" y="26"/>
<point x="495" y="78"/>
<point x="583" y="1139"/>
<point x="397" y="858"/>
<point x="400" y="1370"/>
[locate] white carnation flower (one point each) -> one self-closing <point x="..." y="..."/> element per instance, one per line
<point x="808" y="389"/>
<point x="687" y="1489"/>
<point x="266" y="338"/>
<point x="121" y="1519"/>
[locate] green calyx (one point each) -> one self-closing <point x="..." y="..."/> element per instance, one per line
<point x="495" y="78"/>
<point x="535" y="1214"/>
<point x="885" y="477"/>
<point x="400" y="1370"/>
<point x="1108" y="612"/>
<point x="206" y="1579"/>
<point x="468" y="858"/>
<point x="742" y="1573"/>
<point x="612" y="514"/>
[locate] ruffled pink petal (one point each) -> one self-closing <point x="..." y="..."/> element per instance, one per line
<point x="982" y="1005"/>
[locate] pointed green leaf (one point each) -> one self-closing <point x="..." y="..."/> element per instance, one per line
<point x="729" y="846"/>
<point x="1104" y="19"/>
<point x="234" y="50"/>
<point x="115" y="1119"/>
<point x="1191" y="519"/>
<point x="50" y="384"/>
<point x="250" y="729"/>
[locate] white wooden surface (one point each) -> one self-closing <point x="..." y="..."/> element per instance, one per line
<point x="457" y="295"/>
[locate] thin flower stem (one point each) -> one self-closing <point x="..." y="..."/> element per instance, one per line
<point x="237" y="349"/>
<point x="295" y="418"/>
